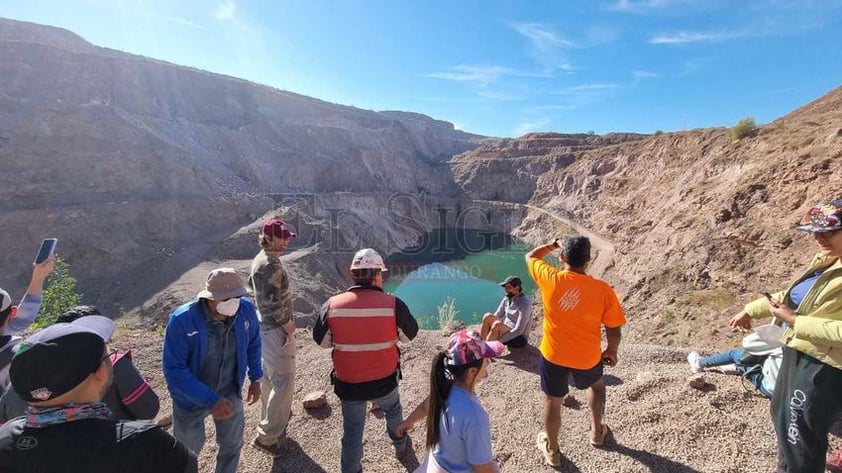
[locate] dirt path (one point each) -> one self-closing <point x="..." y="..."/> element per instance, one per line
<point x="605" y="249"/>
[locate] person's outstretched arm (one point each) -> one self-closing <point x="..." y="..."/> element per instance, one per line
<point x="31" y="302"/>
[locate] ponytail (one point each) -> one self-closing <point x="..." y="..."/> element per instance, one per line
<point x="442" y="377"/>
<point x="440" y="383"/>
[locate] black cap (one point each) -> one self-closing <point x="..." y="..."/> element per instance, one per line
<point x="59" y="358"/>
<point x="513" y="280"/>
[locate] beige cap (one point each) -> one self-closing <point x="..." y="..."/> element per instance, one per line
<point x="223" y="283"/>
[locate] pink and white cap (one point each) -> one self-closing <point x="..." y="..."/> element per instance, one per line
<point x="466" y="346"/>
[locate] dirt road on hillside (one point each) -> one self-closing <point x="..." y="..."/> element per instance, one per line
<point x="605" y="249"/>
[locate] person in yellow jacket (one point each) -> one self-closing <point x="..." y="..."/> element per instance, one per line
<point x="807" y="397"/>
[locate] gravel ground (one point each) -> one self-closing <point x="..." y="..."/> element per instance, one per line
<point x="658" y="422"/>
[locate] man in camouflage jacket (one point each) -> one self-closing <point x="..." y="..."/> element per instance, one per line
<point x="270" y="283"/>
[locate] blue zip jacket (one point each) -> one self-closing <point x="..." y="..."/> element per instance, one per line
<point x="185" y="346"/>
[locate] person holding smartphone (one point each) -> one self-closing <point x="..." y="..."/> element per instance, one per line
<point x="806" y="400"/>
<point x="16" y="319"/>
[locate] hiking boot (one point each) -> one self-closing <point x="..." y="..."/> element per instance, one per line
<point x="275" y="449"/>
<point x="693" y="359"/>
<point x="551" y="457"/>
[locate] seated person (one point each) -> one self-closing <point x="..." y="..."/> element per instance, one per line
<point x="757" y="361"/>
<point x="511" y="322"/>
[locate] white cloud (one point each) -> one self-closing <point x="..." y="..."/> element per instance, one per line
<point x="484" y="74"/>
<point x="168" y="18"/>
<point x="226" y="11"/>
<point x="640" y="75"/>
<point x="530" y="126"/>
<point x="590" y="87"/>
<point x="548" y="108"/>
<point x="644" y="74"/>
<point x="637" y="6"/>
<point x="546" y="46"/>
<point x="541" y="37"/>
<point x="681" y="37"/>
<point x="468" y="73"/>
<point x="500" y="96"/>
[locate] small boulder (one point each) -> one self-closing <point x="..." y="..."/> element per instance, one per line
<point x="315" y="400"/>
<point x="569" y="401"/>
<point x="697" y="381"/>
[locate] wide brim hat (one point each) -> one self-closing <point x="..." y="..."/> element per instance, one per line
<point x="222" y="284"/>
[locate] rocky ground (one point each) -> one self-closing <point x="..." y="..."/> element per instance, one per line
<point x="658" y="422"/>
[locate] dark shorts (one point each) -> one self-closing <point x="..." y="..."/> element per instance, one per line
<point x="517" y="342"/>
<point x="554" y="378"/>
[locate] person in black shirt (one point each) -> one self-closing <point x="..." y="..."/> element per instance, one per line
<point x="63" y="372"/>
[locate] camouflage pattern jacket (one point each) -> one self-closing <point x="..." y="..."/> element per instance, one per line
<point x="270" y="283"/>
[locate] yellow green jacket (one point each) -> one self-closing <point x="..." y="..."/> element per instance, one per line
<point x="817" y="330"/>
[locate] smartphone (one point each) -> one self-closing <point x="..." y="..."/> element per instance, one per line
<point x="48" y="247"/>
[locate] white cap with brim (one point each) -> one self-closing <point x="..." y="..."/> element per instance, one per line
<point x="770" y="334"/>
<point x="96" y="324"/>
<point x="5" y="300"/>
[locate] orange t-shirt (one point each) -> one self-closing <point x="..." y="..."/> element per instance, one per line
<point x="576" y="306"/>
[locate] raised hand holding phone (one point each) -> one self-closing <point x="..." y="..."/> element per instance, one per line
<point x="48" y="247"/>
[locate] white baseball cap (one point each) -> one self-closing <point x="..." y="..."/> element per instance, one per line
<point x="367" y="258"/>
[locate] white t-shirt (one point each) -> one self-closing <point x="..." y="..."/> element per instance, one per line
<point x="465" y="433"/>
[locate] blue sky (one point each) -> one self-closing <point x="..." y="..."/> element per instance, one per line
<point x="500" y="68"/>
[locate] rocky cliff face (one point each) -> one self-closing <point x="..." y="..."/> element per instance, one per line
<point x="700" y="223"/>
<point x="508" y="169"/>
<point x="131" y="161"/>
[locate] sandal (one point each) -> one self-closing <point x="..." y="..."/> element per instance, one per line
<point x="551" y="458"/>
<point x="603" y="434"/>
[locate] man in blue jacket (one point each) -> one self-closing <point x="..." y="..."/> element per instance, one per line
<point x="210" y="344"/>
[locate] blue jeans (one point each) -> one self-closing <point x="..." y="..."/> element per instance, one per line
<point x="726" y="357"/>
<point x="753" y="373"/>
<point x="189" y="428"/>
<point x="353" y="423"/>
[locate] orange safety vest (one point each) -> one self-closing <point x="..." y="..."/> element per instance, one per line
<point x="365" y="335"/>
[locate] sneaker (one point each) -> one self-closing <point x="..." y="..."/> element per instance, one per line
<point x="551" y="458"/>
<point x="275" y="449"/>
<point x="693" y="359"/>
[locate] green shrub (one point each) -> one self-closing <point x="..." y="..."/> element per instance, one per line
<point x="658" y="132"/>
<point x="59" y="295"/>
<point x="745" y="127"/>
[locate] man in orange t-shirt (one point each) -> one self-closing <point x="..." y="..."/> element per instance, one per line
<point x="576" y="307"/>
